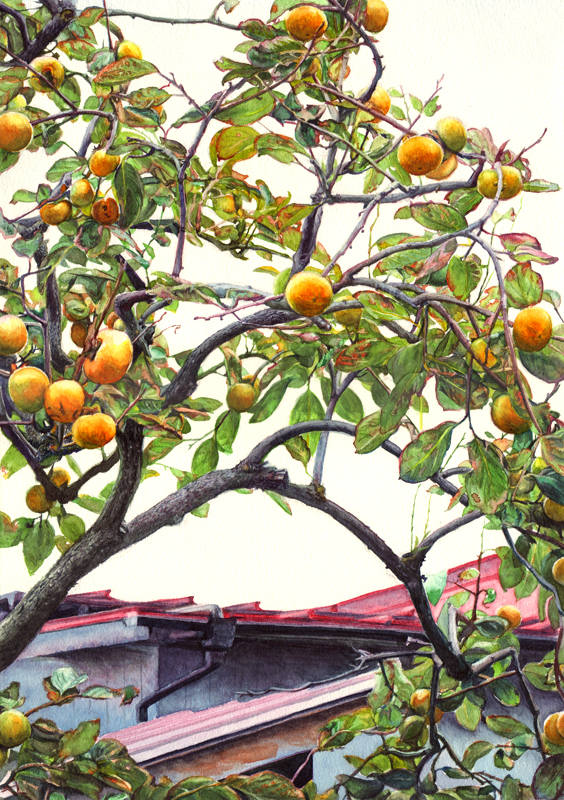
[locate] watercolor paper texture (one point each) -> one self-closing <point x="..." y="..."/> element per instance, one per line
<point x="250" y="615"/>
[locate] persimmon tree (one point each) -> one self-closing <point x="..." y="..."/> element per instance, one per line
<point x="443" y="313"/>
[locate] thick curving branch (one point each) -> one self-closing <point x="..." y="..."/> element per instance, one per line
<point x="261" y="451"/>
<point x="407" y="573"/>
<point x="64" y="12"/>
<point x="59" y="358"/>
<point x="96" y="546"/>
<point x="185" y="383"/>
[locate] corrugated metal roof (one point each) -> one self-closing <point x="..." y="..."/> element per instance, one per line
<point x="388" y="608"/>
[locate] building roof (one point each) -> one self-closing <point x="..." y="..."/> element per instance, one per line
<point x="98" y="619"/>
<point x="379" y="610"/>
<point x="185" y="731"/>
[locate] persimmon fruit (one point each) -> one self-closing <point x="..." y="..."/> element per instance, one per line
<point x="93" y="430"/>
<point x="308" y="293"/>
<point x="64" y="401"/>
<point x="129" y="50"/>
<point x="420" y="701"/>
<point x="105" y="211"/>
<point x="36" y="500"/>
<point x="555" y="512"/>
<point x="78" y="333"/>
<point x="445" y="169"/>
<point x="81" y="193"/>
<point x="55" y="213"/>
<point x="15" y="728"/>
<point x="103" y="164"/>
<point x="16" y="131"/>
<point x="241" y="396"/>
<point x="27" y="387"/>
<point x="506" y="418"/>
<point x="51" y="70"/>
<point x="13" y="335"/>
<point x="419" y="155"/>
<point x="551" y="728"/>
<point x="112" y="359"/>
<point x="349" y="317"/>
<point x="482" y="354"/>
<point x="511" y="615"/>
<point x="379" y="100"/>
<point x="306" y="22"/>
<point x="532" y="329"/>
<point x="452" y="133"/>
<point x="376" y="16"/>
<point x="511" y="183"/>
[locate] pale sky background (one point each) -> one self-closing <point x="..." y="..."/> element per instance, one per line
<point x="502" y="62"/>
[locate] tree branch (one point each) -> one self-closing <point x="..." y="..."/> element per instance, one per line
<point x="95" y="547"/>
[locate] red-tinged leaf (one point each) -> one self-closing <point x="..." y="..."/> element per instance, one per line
<point x="237" y="142"/>
<point x="463" y="277"/>
<point x="438" y="217"/>
<point x="129" y="694"/>
<point x="540" y="185"/>
<point x="526" y="253"/>
<point x="81" y="740"/>
<point x="379" y="306"/>
<point x="524" y="286"/>
<point x="424" y="455"/>
<point x="438" y="259"/>
<point x="265" y="786"/>
<point x="548" y="782"/>
<point x="369" y="435"/>
<point x="357" y="356"/>
<point x="511" y="241"/>
<point x="124" y="70"/>
<point x="487" y="483"/>
<point x="547" y="364"/>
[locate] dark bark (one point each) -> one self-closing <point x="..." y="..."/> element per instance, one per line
<point x="96" y="546"/>
<point x="63" y="13"/>
<point x="310" y="228"/>
<point x="185" y="383"/>
<point x="59" y="358"/>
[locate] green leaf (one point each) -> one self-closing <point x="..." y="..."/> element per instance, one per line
<point x="10" y="533"/>
<point x="399" y="399"/>
<point x="264" y="786"/>
<point x="475" y="752"/>
<point x="12" y="461"/>
<point x="81" y="740"/>
<point x="64" y="678"/>
<point x="11" y="83"/>
<point x="99" y="693"/>
<point x="548" y="782"/>
<point x="468" y="714"/>
<point x="438" y="217"/>
<point x="361" y="788"/>
<point x="94" y="504"/>
<point x="200" y="788"/>
<point x="149" y="97"/>
<point x="511" y="571"/>
<point x="128" y="190"/>
<point x="548" y="363"/>
<point x="487" y="484"/>
<point x="435" y="585"/>
<point x="226" y="429"/>
<point x="158" y="448"/>
<point x="463" y="277"/>
<point x="349" y="407"/>
<point x="369" y="434"/>
<point x="308" y="407"/>
<point x="72" y="527"/>
<point x="504" y="691"/>
<point x="249" y="111"/>
<point x="38" y="545"/>
<point x="124" y="70"/>
<point x="540" y="185"/>
<point x="552" y="449"/>
<point x="298" y="449"/>
<point x="270" y="400"/>
<point x="551" y="484"/>
<point x="7" y="161"/>
<point x="508" y="727"/>
<point x="523" y="285"/>
<point x="236" y="143"/>
<point x="64" y="165"/>
<point x="280" y="501"/>
<point x="205" y="458"/>
<point x="424" y="455"/>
